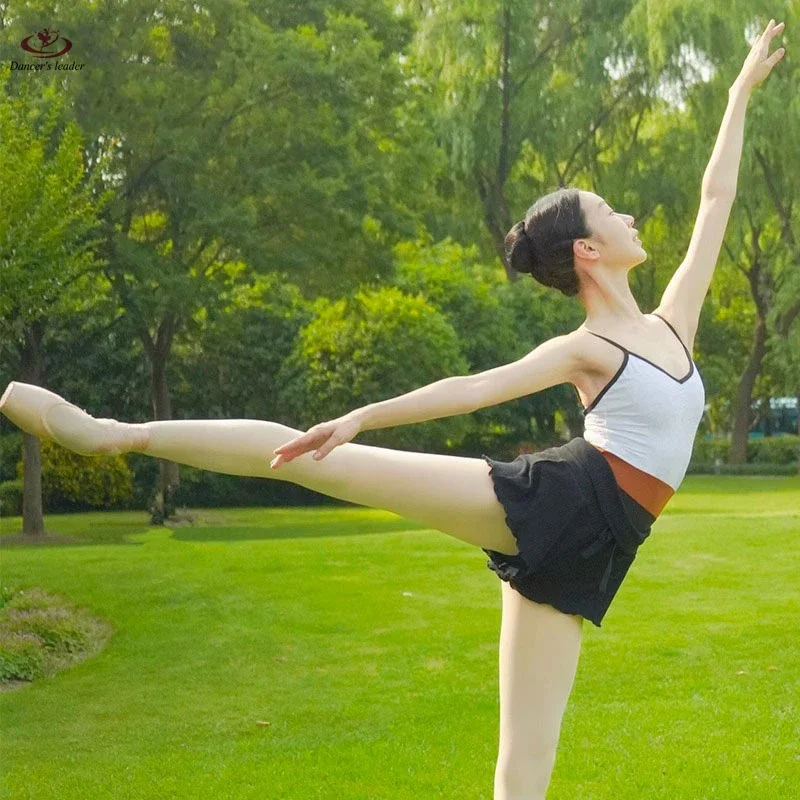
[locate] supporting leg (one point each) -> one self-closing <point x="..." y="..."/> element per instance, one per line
<point x="539" y="651"/>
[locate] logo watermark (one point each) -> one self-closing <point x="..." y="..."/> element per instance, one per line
<point x="46" y="44"/>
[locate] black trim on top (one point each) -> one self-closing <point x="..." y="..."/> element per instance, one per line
<point x="625" y="350"/>
<point x="608" y="385"/>
<point x="664" y="319"/>
<point x="625" y="361"/>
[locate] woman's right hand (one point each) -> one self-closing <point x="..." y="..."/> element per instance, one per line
<point x="323" y="437"/>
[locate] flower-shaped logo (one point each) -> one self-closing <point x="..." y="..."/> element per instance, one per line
<point x="45" y="39"/>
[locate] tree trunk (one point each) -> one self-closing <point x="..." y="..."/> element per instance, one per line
<point x="31" y="370"/>
<point x="744" y="394"/>
<point x="162" y="506"/>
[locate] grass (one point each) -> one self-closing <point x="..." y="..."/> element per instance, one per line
<point x="347" y="653"/>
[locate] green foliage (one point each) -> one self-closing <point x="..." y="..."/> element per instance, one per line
<point x="7" y="591"/>
<point x="56" y="627"/>
<point x="10" y="454"/>
<point x="226" y="367"/>
<point x="452" y="280"/>
<point x="11" y="498"/>
<point x="21" y="656"/>
<point x="39" y="631"/>
<point x="71" y="479"/>
<point x="366" y="348"/>
<point x="50" y="207"/>
<point x="768" y="455"/>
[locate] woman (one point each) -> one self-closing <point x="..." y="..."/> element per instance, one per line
<point x="562" y="526"/>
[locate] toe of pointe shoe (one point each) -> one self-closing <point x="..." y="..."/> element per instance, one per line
<point x="25" y="404"/>
<point x="49" y="416"/>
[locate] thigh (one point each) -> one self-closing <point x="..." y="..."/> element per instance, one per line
<point x="452" y="494"/>
<point x="539" y="652"/>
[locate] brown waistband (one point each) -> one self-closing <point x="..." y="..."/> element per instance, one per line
<point x="645" y="489"/>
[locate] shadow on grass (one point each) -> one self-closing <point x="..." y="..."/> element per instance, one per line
<point x="205" y="525"/>
<point x="293" y="530"/>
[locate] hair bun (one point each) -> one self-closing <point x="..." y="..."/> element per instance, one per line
<point x="519" y="250"/>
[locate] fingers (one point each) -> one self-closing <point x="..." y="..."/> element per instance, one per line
<point x="776" y="29"/>
<point x="772" y="30"/>
<point x="328" y="446"/>
<point x="307" y="441"/>
<point x="776" y="57"/>
<point x="292" y="449"/>
<point x="302" y="444"/>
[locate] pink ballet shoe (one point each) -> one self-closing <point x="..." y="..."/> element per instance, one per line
<point x="47" y="415"/>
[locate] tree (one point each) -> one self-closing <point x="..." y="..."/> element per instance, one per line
<point x="265" y="136"/>
<point x="49" y="206"/>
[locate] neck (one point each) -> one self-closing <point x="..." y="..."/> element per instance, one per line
<point x="608" y="299"/>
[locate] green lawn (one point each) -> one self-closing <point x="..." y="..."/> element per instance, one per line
<point x="369" y="645"/>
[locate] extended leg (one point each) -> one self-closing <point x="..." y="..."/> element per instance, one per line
<point x="539" y="651"/>
<point x="449" y="493"/>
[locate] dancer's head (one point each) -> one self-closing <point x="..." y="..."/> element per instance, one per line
<point x="569" y="235"/>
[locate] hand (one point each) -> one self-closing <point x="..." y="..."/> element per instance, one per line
<point x="324" y="436"/>
<point x="759" y="62"/>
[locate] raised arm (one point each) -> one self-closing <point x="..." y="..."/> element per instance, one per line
<point x="684" y="295"/>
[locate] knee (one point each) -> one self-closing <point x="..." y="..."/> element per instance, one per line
<point x="525" y="777"/>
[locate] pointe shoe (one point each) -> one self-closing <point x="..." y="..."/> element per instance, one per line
<point x="47" y="415"/>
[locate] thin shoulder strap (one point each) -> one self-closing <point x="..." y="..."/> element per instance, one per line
<point x="675" y="332"/>
<point x="624" y="349"/>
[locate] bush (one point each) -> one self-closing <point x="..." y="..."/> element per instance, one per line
<point x="10" y="455"/>
<point x="366" y="348"/>
<point x="774" y="450"/>
<point x="772" y="455"/>
<point x="6" y="593"/>
<point x="71" y="481"/>
<point x="11" y="498"/>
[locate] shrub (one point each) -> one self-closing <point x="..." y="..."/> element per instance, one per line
<point x="10" y="454"/>
<point x="772" y="455"/>
<point x="11" y="498"/>
<point x="366" y="348"/>
<point x="70" y="480"/>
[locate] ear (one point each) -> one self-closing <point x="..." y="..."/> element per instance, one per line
<point x="582" y="248"/>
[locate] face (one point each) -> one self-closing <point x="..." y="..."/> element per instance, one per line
<point x="614" y="241"/>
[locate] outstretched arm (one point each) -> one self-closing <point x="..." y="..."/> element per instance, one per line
<point x="552" y="362"/>
<point x="687" y="289"/>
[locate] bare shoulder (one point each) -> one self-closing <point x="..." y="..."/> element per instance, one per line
<point x="588" y="358"/>
<point x="683" y="323"/>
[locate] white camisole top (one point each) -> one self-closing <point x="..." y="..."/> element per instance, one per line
<point x="646" y="416"/>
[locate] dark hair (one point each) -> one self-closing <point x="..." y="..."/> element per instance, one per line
<point x="541" y="245"/>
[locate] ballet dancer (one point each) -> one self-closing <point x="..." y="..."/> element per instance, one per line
<point x="562" y="526"/>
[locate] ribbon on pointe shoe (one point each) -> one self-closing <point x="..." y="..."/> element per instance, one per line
<point x="80" y="432"/>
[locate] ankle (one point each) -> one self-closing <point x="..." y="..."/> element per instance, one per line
<point x="136" y="437"/>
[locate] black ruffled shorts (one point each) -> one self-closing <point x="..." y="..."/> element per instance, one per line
<point x="577" y="531"/>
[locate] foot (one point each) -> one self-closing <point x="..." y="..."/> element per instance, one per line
<point x="49" y="416"/>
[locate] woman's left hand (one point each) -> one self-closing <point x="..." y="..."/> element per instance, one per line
<point x="759" y="62"/>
